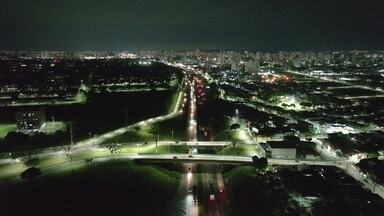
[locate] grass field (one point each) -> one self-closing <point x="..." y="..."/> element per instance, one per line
<point x="52" y="127"/>
<point x="5" y="128"/>
<point x="148" y="132"/>
<point x="239" y="149"/>
<point x="239" y="136"/>
<point x="11" y="170"/>
<point x="109" y="188"/>
<point x="234" y="175"/>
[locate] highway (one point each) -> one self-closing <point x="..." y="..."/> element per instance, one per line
<point x="192" y="123"/>
<point x="184" y="203"/>
<point x="210" y="188"/>
<point x="213" y="192"/>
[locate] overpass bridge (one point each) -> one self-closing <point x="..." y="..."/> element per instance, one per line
<point x="343" y="87"/>
<point x="202" y="143"/>
<point x="226" y="159"/>
<point x="362" y="97"/>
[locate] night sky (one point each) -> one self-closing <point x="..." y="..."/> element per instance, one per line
<point x="265" y="25"/>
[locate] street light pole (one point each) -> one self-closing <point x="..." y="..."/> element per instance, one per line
<point x="125" y="115"/>
<point x="71" y="133"/>
<point x="157" y="139"/>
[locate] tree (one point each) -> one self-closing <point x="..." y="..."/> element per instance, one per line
<point x="254" y="159"/>
<point x="31" y="161"/>
<point x="88" y="160"/>
<point x="114" y="148"/>
<point x="260" y="163"/>
<point x="38" y="139"/>
<point x="234" y="126"/>
<point x="263" y="163"/>
<point x="234" y="143"/>
<point x="19" y="154"/>
<point x="306" y="104"/>
<point x="16" y="138"/>
<point x="67" y="151"/>
<point x="30" y="173"/>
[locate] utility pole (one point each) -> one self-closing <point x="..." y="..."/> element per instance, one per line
<point x="170" y="143"/>
<point x="67" y="150"/>
<point x="125" y="115"/>
<point x="71" y="133"/>
<point x="157" y="139"/>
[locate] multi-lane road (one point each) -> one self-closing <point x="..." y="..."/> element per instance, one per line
<point x="213" y="196"/>
<point x="192" y="123"/>
<point x="184" y="203"/>
<point x="201" y="192"/>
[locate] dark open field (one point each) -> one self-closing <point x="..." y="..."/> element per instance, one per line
<point x="109" y="188"/>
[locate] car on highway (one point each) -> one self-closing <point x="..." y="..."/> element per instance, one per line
<point x="220" y="194"/>
<point x="212" y="191"/>
<point x="212" y="197"/>
<point x="194" y="192"/>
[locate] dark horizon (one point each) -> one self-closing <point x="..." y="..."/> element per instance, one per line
<point x="263" y="25"/>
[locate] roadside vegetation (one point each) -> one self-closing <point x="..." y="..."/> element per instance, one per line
<point x="259" y="193"/>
